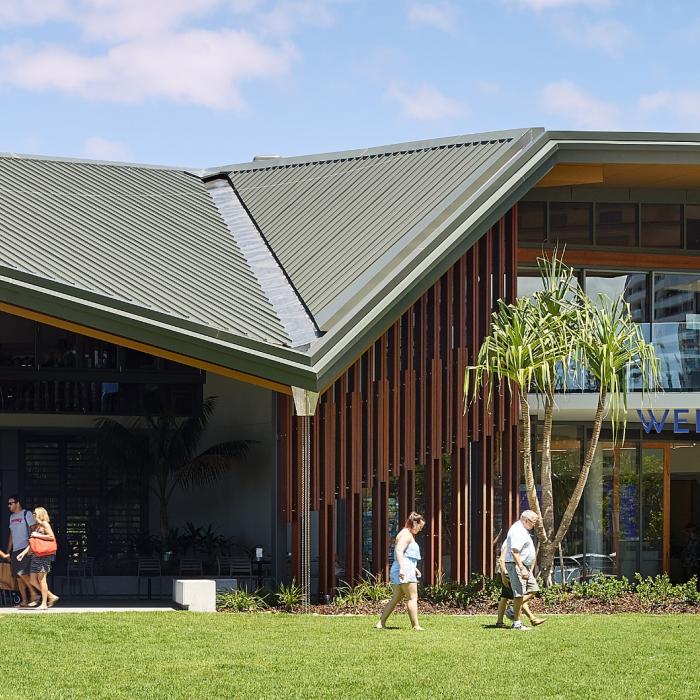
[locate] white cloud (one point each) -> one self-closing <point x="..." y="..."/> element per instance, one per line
<point x="197" y="66"/>
<point x="580" y="109"/>
<point x="103" y="149"/>
<point x="289" y="16"/>
<point x="134" y="50"/>
<point x="426" y="103"/>
<point x="682" y="103"/>
<point x="609" y="35"/>
<point x="539" y="5"/>
<point x="28" y="12"/>
<point x="439" y="15"/>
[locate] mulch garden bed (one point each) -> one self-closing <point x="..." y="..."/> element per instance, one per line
<point x="629" y="603"/>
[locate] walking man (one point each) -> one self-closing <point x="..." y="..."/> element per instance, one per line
<point x="21" y="524"/>
<point x="520" y="557"/>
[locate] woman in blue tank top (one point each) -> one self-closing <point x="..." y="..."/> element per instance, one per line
<point x="404" y="573"/>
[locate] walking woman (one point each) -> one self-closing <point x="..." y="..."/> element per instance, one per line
<point x="42" y="543"/>
<point x="404" y="573"/>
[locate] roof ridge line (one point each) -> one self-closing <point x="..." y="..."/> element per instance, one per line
<point x="353" y="154"/>
<point x="274" y="282"/>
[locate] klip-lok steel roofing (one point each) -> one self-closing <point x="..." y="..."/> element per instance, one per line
<point x="281" y="269"/>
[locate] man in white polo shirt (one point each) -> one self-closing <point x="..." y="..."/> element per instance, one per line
<point x="21" y="525"/>
<point x="520" y="558"/>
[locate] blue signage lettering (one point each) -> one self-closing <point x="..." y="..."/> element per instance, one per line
<point x="681" y="420"/>
<point x="678" y="418"/>
<point x="651" y="421"/>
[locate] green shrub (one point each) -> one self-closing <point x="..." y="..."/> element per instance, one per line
<point x="242" y="601"/>
<point x="554" y="594"/>
<point x="603" y="588"/>
<point x="659" y="590"/>
<point x="370" y="589"/>
<point x="289" y="596"/>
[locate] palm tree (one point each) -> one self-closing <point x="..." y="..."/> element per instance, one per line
<point x="531" y="342"/>
<point x="166" y="448"/>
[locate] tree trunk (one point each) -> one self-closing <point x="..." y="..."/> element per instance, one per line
<point x="164" y="522"/>
<point x="547" y="553"/>
<point x="546" y="474"/>
<point x="525" y="451"/>
<point x="585" y="468"/>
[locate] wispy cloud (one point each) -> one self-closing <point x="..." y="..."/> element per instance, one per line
<point x="539" y="5"/>
<point x="579" y="108"/>
<point x="176" y="50"/>
<point x="426" y="103"/>
<point x="103" y="149"/>
<point x="197" y="67"/>
<point x="681" y="103"/>
<point x="609" y="35"/>
<point x="438" y="15"/>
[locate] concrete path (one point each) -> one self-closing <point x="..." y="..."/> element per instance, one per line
<point x="73" y="605"/>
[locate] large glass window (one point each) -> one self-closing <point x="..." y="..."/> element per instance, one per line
<point x="662" y="226"/>
<point x="532" y="222"/>
<point x="616" y="224"/>
<point x="632" y="286"/>
<point x="17" y="341"/>
<point x="570" y="223"/>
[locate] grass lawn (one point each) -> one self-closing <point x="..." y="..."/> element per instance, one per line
<point x="189" y="655"/>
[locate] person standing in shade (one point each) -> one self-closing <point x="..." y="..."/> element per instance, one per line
<point x="507" y="595"/>
<point x="40" y="566"/>
<point x="520" y="558"/>
<point x="404" y="573"/>
<point x="21" y="524"/>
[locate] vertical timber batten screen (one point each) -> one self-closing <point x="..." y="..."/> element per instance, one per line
<point x="392" y="427"/>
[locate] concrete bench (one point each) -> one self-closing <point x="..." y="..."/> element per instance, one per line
<point x="198" y="595"/>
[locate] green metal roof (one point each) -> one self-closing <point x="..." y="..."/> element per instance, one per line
<point x="148" y="237"/>
<point x="334" y="218"/>
<point x="341" y="242"/>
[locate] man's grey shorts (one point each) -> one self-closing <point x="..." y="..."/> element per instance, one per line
<point x="520" y="585"/>
<point x="20" y="568"/>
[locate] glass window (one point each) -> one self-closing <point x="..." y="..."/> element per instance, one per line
<point x="133" y="359"/>
<point x="57" y="348"/>
<point x="570" y="223"/>
<point x="529" y="282"/>
<point x="632" y="286"/>
<point x="676" y="330"/>
<point x="17" y="341"/>
<point x="611" y="510"/>
<point x="692" y="226"/>
<point x="661" y="226"/>
<point x="616" y="224"/>
<point x="98" y="354"/>
<point x="532" y="222"/>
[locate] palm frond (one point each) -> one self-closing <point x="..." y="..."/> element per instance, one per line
<point x="213" y="463"/>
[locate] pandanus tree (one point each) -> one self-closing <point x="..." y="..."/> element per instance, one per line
<point x="166" y="448"/>
<point x="534" y="344"/>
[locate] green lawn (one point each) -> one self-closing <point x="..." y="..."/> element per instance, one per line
<point x="189" y="655"/>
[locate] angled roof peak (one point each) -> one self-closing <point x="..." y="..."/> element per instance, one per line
<point x="390" y="149"/>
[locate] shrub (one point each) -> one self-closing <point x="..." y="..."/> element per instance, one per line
<point x="242" y="601"/>
<point x="289" y="596"/>
<point x="604" y="588"/>
<point x="659" y="591"/>
<point x="554" y="594"/>
<point x="370" y="589"/>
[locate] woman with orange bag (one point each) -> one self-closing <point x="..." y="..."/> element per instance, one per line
<point x="42" y="543"/>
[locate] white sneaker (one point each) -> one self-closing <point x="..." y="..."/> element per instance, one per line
<point x="520" y="628"/>
<point x="510" y="613"/>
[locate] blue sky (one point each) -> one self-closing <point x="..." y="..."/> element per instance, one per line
<point x="209" y="82"/>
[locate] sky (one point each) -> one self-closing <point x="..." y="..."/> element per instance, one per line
<point x="201" y="83"/>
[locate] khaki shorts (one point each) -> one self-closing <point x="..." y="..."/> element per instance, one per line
<point x="521" y="586"/>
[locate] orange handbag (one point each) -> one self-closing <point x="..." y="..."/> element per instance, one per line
<point x="41" y="547"/>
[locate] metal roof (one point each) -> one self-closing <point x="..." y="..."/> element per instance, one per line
<point x="331" y="218"/>
<point x="354" y="238"/>
<point x="147" y="237"/>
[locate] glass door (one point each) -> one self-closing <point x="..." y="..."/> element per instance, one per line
<point x="654" y="515"/>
